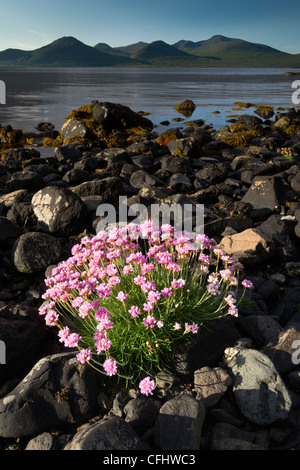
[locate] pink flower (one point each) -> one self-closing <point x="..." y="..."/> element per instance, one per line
<point x="149" y="321"/>
<point x="247" y="284"/>
<point x="153" y="296"/>
<point x="166" y="292"/>
<point x="147" y="307"/>
<point x="110" y="367"/>
<point x="51" y="318"/>
<point x="122" y="296"/>
<point x="63" y="334"/>
<point x="84" y="356"/>
<point x="72" y="340"/>
<point x="147" y="386"/>
<point x="177" y="283"/>
<point x="177" y="326"/>
<point x="127" y="269"/>
<point x="134" y="311"/>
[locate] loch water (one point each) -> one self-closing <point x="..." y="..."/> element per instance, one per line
<point x="35" y="95"/>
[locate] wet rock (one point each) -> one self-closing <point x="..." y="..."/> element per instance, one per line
<point x="111" y="433"/>
<point x="117" y="116"/>
<point x="53" y="393"/>
<point x="259" y="391"/>
<point x="58" y="210"/>
<point x="33" y="252"/>
<point x="179" y="424"/>
<point x="186" y="107"/>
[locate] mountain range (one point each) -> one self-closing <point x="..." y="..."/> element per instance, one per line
<point x="218" y="51"/>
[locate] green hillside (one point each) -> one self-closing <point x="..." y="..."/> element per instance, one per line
<point x="218" y="51"/>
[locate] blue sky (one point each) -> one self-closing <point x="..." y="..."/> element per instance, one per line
<point x="31" y="24"/>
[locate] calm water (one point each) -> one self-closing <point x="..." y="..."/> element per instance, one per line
<point x="39" y="94"/>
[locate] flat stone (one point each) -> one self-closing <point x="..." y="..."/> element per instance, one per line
<point x="211" y="384"/>
<point x="110" y="433"/>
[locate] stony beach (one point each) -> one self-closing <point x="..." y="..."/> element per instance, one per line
<point x="235" y="388"/>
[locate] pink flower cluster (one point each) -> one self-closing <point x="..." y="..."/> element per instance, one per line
<point x="109" y="279"/>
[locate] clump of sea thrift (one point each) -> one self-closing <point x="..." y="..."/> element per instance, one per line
<point x="128" y="307"/>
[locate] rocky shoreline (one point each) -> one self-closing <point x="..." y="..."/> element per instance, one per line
<point x="237" y="387"/>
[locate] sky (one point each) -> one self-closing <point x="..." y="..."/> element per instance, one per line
<point x="31" y="24"/>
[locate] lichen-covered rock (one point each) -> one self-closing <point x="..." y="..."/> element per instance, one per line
<point x="58" y="210"/>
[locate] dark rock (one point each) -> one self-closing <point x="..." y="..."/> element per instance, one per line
<point x="75" y="176"/>
<point x="58" y="210"/>
<point x="188" y="147"/>
<point x="33" y="252"/>
<point x="117" y="116"/>
<point x="45" y="127"/>
<point x="209" y="349"/>
<point x="27" y="180"/>
<point x="23" y="334"/>
<point x="141" y="179"/>
<point x="67" y="153"/>
<point x="264" y="193"/>
<point x="141" y="414"/>
<point x="109" y="188"/>
<point x="179" y="424"/>
<point x="54" y="393"/>
<point x="22" y="215"/>
<point x="180" y="182"/>
<point x="9" y="231"/>
<point x="212" y="173"/>
<point x="186" y="107"/>
<point x="173" y="164"/>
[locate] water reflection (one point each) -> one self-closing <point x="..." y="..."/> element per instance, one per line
<point x="36" y="95"/>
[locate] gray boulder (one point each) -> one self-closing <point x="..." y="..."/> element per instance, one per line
<point x="259" y="391"/>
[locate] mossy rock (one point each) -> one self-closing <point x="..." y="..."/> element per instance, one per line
<point x="241" y="138"/>
<point x="265" y="112"/>
<point x="168" y="136"/>
<point x="186" y="108"/>
<point x="241" y="104"/>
